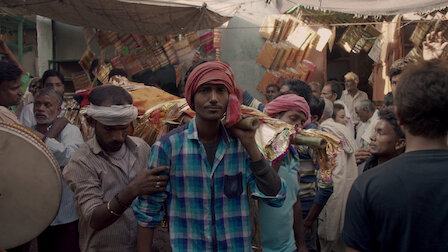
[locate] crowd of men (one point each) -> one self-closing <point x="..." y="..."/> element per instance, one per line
<point x="387" y="192"/>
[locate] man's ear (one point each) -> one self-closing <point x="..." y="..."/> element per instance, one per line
<point x="334" y="96"/>
<point x="398" y="116"/>
<point x="400" y="144"/>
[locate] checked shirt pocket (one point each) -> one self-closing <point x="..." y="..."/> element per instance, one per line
<point x="233" y="185"/>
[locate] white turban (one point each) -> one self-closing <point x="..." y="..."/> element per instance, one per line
<point x="113" y="115"/>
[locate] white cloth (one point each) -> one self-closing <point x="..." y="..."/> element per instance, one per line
<point x="352" y="102"/>
<point x="113" y="115"/>
<point x="365" y="130"/>
<point x="68" y="142"/>
<point x="350" y="125"/>
<point x="345" y="173"/>
<point x="27" y="115"/>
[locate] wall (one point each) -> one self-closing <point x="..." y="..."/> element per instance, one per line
<point x="44" y="43"/>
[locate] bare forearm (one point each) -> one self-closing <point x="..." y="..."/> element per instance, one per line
<point x="144" y="239"/>
<point x="106" y="214"/>
<point x="313" y="214"/>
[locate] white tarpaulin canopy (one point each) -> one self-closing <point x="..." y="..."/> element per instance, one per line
<point x="148" y="17"/>
<point x="367" y="7"/>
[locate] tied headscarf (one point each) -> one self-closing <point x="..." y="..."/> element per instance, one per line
<point x="289" y="102"/>
<point x="215" y="72"/>
<point x="113" y="115"/>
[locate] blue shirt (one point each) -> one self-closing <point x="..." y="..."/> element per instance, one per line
<point x="207" y="205"/>
<point x="276" y="224"/>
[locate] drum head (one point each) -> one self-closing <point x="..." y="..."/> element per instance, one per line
<point x="30" y="186"/>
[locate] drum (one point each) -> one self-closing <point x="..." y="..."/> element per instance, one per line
<point x="30" y="186"/>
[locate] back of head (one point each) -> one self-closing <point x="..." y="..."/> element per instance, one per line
<point x="389" y="99"/>
<point x="273" y="85"/>
<point x="389" y="116"/>
<point x="9" y="72"/>
<point x="117" y="71"/>
<point x="328" y="109"/>
<point x="422" y="99"/>
<point x="51" y="73"/>
<point x="366" y="105"/>
<point x="299" y="87"/>
<point x="109" y="95"/>
<point x="317" y="106"/>
<point x="48" y="91"/>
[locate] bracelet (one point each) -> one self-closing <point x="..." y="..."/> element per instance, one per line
<point x="44" y="138"/>
<point x="121" y="203"/>
<point x="111" y="211"/>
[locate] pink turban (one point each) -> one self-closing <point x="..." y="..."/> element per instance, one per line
<point x="216" y="72"/>
<point x="289" y="102"/>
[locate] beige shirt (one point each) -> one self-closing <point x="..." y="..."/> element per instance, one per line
<point x="95" y="178"/>
<point x="7" y="116"/>
<point x="352" y="101"/>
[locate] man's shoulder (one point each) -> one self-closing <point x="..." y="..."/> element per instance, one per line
<point x="380" y="176"/>
<point x="179" y="132"/>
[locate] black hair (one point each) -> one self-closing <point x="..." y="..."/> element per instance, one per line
<point x="274" y="86"/>
<point x="336" y="88"/>
<point x="389" y="99"/>
<point x="317" y="106"/>
<point x="9" y="72"/>
<point x="300" y="88"/>
<point x="48" y="91"/>
<point x="117" y="71"/>
<point x="51" y="73"/>
<point x="399" y="65"/>
<point x="389" y="116"/>
<point x="111" y="95"/>
<point x="421" y="99"/>
<point x="336" y="108"/>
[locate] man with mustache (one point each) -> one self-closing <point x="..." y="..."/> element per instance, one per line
<point x="210" y="171"/>
<point x="108" y="172"/>
<point x="62" y="234"/>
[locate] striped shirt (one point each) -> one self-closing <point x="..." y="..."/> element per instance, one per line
<point x="207" y="205"/>
<point x="95" y="178"/>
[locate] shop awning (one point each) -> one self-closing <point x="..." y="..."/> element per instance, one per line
<point x="147" y="17"/>
<point x="368" y="7"/>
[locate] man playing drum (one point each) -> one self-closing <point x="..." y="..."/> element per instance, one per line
<point x="108" y="172"/>
<point x="62" y="234"/>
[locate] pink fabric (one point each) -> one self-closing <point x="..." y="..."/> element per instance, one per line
<point x="216" y="72"/>
<point x="289" y="102"/>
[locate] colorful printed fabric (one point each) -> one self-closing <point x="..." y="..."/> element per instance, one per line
<point x="191" y="204"/>
<point x="207" y="42"/>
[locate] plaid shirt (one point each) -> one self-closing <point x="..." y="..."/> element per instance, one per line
<point x="201" y="220"/>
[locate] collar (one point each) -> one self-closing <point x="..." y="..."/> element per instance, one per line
<point x="96" y="148"/>
<point x="193" y="132"/>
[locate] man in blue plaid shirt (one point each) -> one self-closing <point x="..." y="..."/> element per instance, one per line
<point x="210" y="172"/>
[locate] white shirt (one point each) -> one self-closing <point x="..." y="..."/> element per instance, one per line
<point x="352" y="102"/>
<point x="366" y="129"/>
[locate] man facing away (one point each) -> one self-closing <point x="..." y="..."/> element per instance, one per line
<point x="401" y="205"/>
<point x="62" y="234"/>
<point x="108" y="172"/>
<point x="211" y="172"/>
<point x="352" y="96"/>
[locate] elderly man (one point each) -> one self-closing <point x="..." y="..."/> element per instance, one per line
<point x="108" y="172"/>
<point x="352" y="96"/>
<point x="210" y="171"/>
<point x="368" y="117"/>
<point x="401" y="205"/>
<point x="51" y="79"/>
<point x="62" y="234"/>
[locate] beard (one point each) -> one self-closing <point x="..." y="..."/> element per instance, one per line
<point x="45" y="119"/>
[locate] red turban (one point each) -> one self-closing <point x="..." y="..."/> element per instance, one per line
<point x="216" y="72"/>
<point x="289" y="102"/>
